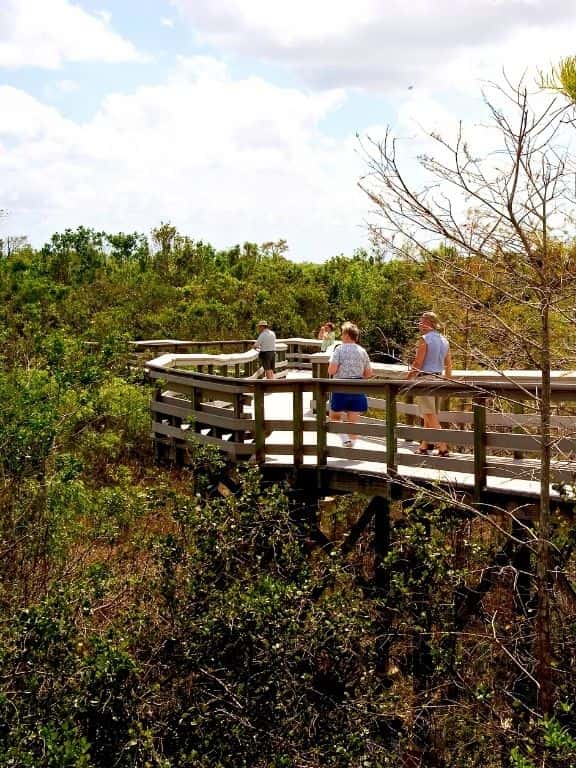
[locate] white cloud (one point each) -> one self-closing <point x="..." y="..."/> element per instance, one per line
<point x="58" y="89"/>
<point x="225" y="160"/>
<point x="231" y="160"/>
<point x="376" y="46"/>
<point x="167" y="22"/>
<point x="105" y="15"/>
<point x="67" y="86"/>
<point x="49" y="33"/>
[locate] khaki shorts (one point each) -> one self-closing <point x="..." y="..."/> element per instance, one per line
<point x="426" y="404"/>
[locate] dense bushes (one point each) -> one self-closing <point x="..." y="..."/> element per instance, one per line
<point x="92" y="286"/>
<point x="202" y="631"/>
<point x="145" y="620"/>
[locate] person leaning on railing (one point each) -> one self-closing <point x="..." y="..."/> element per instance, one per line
<point x="327" y="335"/>
<point x="349" y="361"/>
<point x="266" y="346"/>
<point x="432" y="359"/>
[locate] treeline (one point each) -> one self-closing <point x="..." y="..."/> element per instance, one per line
<point x="147" y="620"/>
<point x="93" y="285"/>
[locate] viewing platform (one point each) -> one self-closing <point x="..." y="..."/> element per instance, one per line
<point x="212" y="393"/>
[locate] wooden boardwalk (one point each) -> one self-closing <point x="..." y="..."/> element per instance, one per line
<point x="491" y="423"/>
<point x="368" y="457"/>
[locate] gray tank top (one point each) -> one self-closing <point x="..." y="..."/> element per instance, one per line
<point x="436" y="350"/>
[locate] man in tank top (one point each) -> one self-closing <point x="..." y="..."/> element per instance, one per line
<point x="432" y="359"/>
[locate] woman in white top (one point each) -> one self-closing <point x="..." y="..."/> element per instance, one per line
<point x="349" y="361"/>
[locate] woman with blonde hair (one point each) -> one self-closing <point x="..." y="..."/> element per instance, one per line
<point x="349" y="361"/>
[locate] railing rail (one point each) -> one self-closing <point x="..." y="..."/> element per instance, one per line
<point x="296" y="352"/>
<point x="230" y="413"/>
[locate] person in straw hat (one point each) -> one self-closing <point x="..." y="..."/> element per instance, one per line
<point x="266" y="346"/>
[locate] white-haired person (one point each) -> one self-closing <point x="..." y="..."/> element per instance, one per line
<point x="432" y="359"/>
<point x="349" y="361"/>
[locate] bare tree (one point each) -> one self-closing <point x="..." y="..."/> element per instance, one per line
<point x="495" y="223"/>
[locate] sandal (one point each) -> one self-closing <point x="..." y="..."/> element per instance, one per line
<point x="444" y="453"/>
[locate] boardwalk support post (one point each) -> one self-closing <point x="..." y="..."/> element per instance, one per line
<point x="391" y="419"/>
<point x="480" y="468"/>
<point x="259" y="424"/>
<point x="381" y="507"/>
<point x="321" y="435"/>
<point x="298" y="420"/>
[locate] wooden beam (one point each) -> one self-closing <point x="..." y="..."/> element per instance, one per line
<point x="480" y="472"/>
<point x="391" y="445"/>
<point x="320" y="397"/>
<point x="260" y="427"/>
<point x="298" y="427"/>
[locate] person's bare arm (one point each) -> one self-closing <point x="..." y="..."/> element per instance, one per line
<point x="418" y="360"/>
<point x="332" y="368"/>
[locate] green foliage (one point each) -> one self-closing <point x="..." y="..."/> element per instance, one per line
<point x="518" y="760"/>
<point x="562" y="78"/>
<point x="145" y="620"/>
<point x="551" y="744"/>
<point x="88" y="284"/>
<point x="29" y="420"/>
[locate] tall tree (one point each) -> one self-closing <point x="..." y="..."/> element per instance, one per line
<point x="518" y="202"/>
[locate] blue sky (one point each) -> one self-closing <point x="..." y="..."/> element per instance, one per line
<point x="237" y="119"/>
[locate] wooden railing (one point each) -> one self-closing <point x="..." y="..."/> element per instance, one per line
<point x="491" y="423"/>
<point x="294" y="352"/>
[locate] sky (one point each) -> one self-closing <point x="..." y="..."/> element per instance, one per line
<point x="238" y="120"/>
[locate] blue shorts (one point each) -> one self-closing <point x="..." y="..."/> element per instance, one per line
<point x="351" y="403"/>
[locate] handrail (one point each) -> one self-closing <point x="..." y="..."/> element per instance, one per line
<point x="232" y="412"/>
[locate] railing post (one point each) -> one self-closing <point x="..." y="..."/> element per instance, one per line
<point x="196" y="399"/>
<point x="444" y="405"/>
<point x="480" y="469"/>
<point x="391" y="439"/>
<point x="160" y="451"/>
<point x="518" y="408"/>
<point x="320" y="395"/>
<point x="238" y="407"/>
<point x="259" y="424"/>
<point x="410" y="418"/>
<point x="298" y="426"/>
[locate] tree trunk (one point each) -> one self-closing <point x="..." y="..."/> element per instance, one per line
<point x="543" y="642"/>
